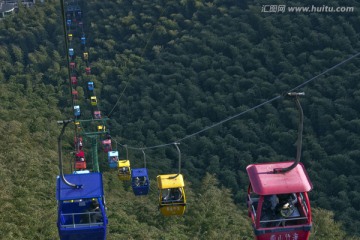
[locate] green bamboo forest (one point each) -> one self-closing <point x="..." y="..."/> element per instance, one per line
<point x="164" y="70"/>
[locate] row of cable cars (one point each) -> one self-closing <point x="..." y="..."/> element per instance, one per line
<point x="172" y="199"/>
<point x="80" y="195"/>
<point x="82" y="214"/>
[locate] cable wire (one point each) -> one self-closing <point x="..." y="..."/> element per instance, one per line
<point x="248" y="110"/>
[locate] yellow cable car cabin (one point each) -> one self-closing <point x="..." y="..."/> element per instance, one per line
<point x="93" y="100"/>
<point x="77" y="124"/>
<point x="70" y="36"/>
<point x="124" y="170"/>
<point x="172" y="200"/>
<point x="101" y="128"/>
<point x="86" y="55"/>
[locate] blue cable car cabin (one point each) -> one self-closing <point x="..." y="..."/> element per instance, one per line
<point x="113" y="158"/>
<point x="77" y="111"/>
<point x="91" y="86"/>
<point x="81" y="211"/>
<point x="83" y="40"/>
<point x="68" y="22"/>
<point x="140" y="181"/>
<point x="71" y="52"/>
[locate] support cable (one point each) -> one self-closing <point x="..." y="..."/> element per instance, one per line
<point x="250" y="109"/>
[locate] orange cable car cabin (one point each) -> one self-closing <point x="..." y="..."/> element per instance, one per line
<point x="80" y="162"/>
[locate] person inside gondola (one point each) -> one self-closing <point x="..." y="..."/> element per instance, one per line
<point x="137" y="182"/>
<point x="92" y="214"/>
<point x="114" y="159"/>
<point x="286" y="205"/>
<point x="95" y="212"/>
<point x="124" y="170"/>
<point x="140" y="181"/>
<point x="176" y="194"/>
<point x="268" y="212"/>
<point x="172" y="195"/>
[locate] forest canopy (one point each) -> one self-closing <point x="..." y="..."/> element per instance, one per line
<point x="164" y="70"/>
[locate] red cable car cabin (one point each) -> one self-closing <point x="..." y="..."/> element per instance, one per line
<point x="278" y="203"/>
<point x="78" y="142"/>
<point x="106" y="145"/>
<point x="80" y="162"/>
<point x="97" y="114"/>
<point x="75" y="94"/>
<point x="73" y="80"/>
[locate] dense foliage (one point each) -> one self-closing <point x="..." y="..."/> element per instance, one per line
<point x="185" y="66"/>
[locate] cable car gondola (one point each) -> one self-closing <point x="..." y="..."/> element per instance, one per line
<point x="83" y="40"/>
<point x="93" y="100"/>
<point x="106" y="145"/>
<point x="278" y="202"/>
<point x="80" y="162"/>
<point x="73" y="80"/>
<point x="77" y="111"/>
<point x="86" y="56"/>
<point x="91" y="86"/>
<point x="71" y="52"/>
<point x="81" y="204"/>
<point x="124" y="170"/>
<point x="88" y="70"/>
<point x="172" y="200"/>
<point x="81" y="211"/>
<point x="97" y="115"/>
<point x="101" y="128"/>
<point x="113" y="158"/>
<point x="78" y="142"/>
<point x="75" y="94"/>
<point x="140" y="181"/>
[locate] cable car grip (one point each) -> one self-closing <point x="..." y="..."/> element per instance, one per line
<point x="65" y="123"/>
<point x="300" y="131"/>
